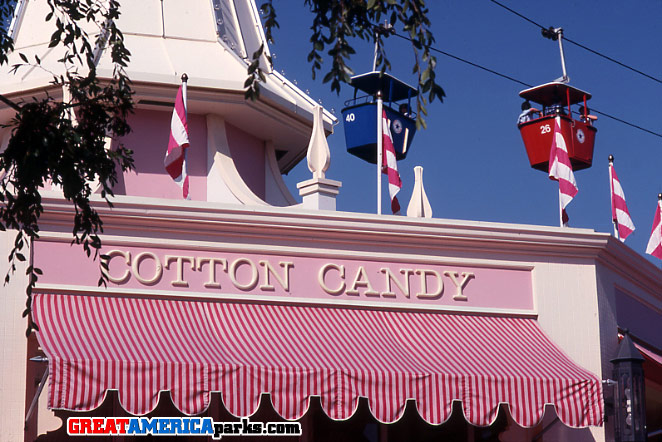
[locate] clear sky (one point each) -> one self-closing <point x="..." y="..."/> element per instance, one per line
<point x="475" y="165"/>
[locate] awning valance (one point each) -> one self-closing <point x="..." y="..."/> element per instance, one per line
<point x="142" y="346"/>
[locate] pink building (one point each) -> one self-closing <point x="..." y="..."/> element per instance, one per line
<point x="246" y="302"/>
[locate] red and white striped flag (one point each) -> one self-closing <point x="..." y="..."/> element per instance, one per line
<point x="655" y="243"/>
<point x="560" y="170"/>
<point x="175" y="158"/>
<point x="619" y="210"/>
<point x="390" y="165"/>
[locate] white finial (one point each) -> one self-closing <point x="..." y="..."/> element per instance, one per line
<point x="319" y="192"/>
<point x="318" y="155"/>
<point x="419" y="206"/>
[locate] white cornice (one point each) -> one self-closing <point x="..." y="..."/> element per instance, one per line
<point x="621" y="259"/>
<point x="145" y="216"/>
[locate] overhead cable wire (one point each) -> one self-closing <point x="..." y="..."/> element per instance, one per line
<point x="470" y="63"/>
<point x="626" y="122"/>
<point x="518" y="14"/>
<point x="586" y="48"/>
<point x="507" y="77"/>
<point x="612" y="60"/>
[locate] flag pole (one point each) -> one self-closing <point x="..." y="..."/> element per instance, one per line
<point x="374" y="60"/>
<point x="560" y="210"/>
<point x="380" y="142"/>
<point x="611" y="195"/>
<point x="185" y="98"/>
<point x="557" y="123"/>
<point x="184" y="80"/>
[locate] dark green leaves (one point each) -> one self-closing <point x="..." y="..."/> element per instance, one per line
<point x="269" y="13"/>
<point x="57" y="35"/>
<point x="255" y="75"/>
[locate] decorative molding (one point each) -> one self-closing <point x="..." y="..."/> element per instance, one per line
<point x="150" y="214"/>
<point x="223" y="166"/>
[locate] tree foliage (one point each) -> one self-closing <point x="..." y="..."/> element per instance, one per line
<point x="336" y="22"/>
<point x="65" y="141"/>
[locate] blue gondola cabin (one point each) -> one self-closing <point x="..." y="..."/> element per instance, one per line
<point x="360" y="115"/>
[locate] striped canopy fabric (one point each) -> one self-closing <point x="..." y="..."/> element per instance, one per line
<point x="191" y="348"/>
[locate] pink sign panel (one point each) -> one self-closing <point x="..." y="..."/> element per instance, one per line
<point x="238" y="274"/>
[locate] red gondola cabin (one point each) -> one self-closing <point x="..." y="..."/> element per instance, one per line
<point x="556" y="99"/>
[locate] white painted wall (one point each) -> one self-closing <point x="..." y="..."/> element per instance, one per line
<point x="13" y="346"/>
<point x="566" y="299"/>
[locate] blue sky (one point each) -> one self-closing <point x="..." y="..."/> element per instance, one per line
<point x="475" y="165"/>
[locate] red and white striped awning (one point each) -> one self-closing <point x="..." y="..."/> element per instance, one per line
<point x="191" y="348"/>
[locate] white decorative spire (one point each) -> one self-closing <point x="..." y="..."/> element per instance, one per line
<point x="318" y="154"/>
<point x="419" y="206"/>
<point x="318" y="193"/>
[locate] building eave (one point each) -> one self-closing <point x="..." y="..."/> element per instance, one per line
<point x="386" y="233"/>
